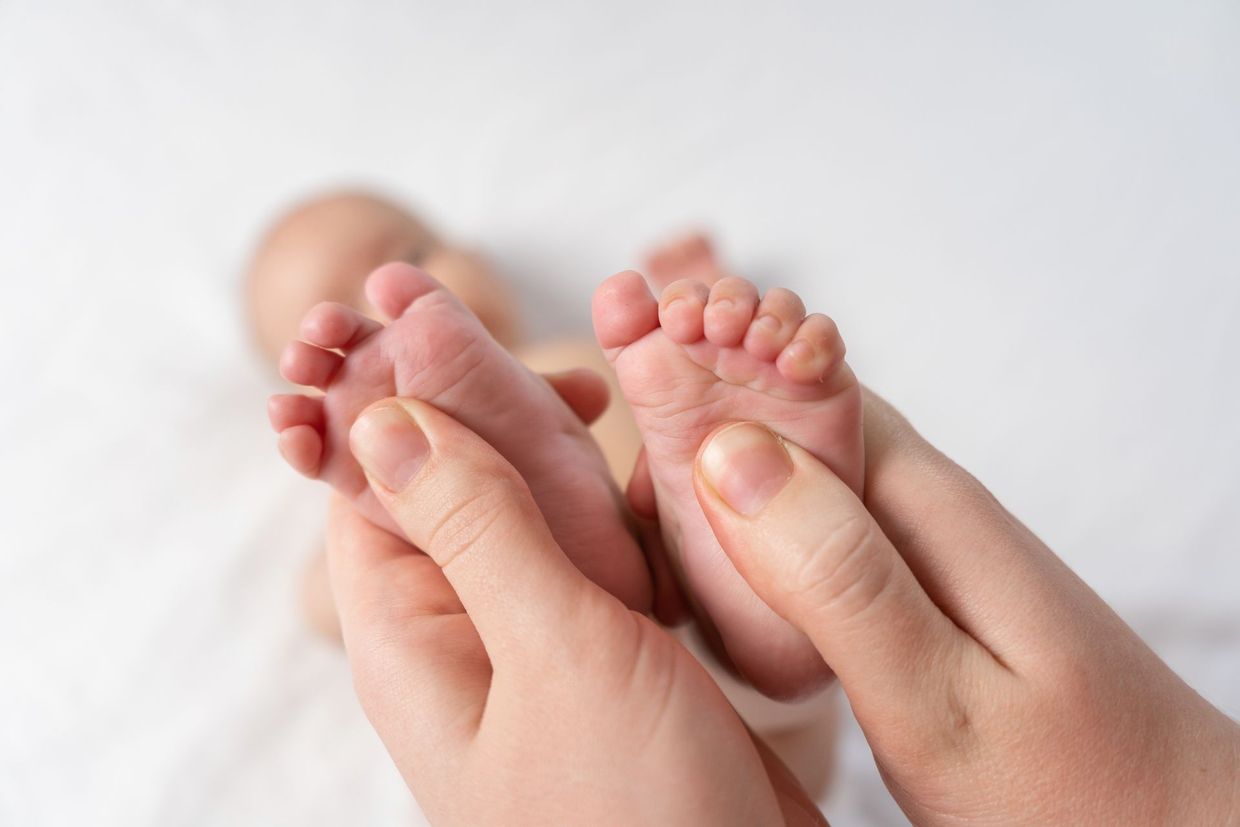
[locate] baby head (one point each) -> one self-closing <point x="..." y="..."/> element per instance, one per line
<point x="323" y="248"/>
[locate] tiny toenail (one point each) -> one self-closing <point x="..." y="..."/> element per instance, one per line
<point x="679" y="300"/>
<point x="722" y="303"/>
<point x="768" y="322"/>
<point x="389" y="445"/>
<point x="800" y="351"/>
<point x="747" y="465"/>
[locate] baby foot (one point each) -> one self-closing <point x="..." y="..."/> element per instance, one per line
<point x="437" y="351"/>
<point x="701" y="356"/>
<point x="690" y="256"/>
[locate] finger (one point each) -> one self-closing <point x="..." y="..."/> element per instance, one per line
<point x="669" y="604"/>
<point x="583" y="390"/>
<point x="420" y="670"/>
<point x="797" y="807"/>
<point x="807" y="546"/>
<point x="470" y="511"/>
<point x="968" y="552"/>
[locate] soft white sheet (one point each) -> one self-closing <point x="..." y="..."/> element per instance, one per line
<point x="1026" y="221"/>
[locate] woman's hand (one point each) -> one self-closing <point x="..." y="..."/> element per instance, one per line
<point x="507" y="687"/>
<point x="993" y="686"/>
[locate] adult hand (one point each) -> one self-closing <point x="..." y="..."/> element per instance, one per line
<point x="507" y="687"/>
<point x="993" y="686"/>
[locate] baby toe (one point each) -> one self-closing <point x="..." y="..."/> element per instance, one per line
<point x="680" y="310"/>
<point x="334" y="325"/>
<point x="395" y="286"/>
<point x="304" y="364"/>
<point x="778" y="316"/>
<point x="729" y="311"/>
<point x="288" y="410"/>
<point x="815" y="351"/>
<point x="302" y="448"/>
<point x="623" y="310"/>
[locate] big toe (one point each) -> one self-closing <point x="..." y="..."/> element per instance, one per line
<point x="623" y="310"/>
<point x="395" y="286"/>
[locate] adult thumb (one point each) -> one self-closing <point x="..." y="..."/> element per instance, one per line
<point x="469" y="510"/>
<point x="808" y="547"/>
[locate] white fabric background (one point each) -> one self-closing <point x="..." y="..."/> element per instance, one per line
<point x="1026" y="220"/>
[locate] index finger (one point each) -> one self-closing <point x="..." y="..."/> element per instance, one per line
<point x="417" y="662"/>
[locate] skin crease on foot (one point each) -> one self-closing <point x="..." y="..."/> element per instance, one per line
<point x="437" y="351"/>
<point x="323" y="248"/>
<point x="702" y="355"/>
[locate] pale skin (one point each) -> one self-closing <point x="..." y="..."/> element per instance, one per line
<point x="993" y="685"/>
<point x="711" y="347"/>
<point x="324" y="248"/>
<point x="485" y="705"/>
<point x="702" y="354"/>
<point x="697" y="358"/>
<point x="584" y="398"/>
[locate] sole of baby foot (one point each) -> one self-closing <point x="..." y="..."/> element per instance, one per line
<point x="437" y="351"/>
<point x="700" y="356"/>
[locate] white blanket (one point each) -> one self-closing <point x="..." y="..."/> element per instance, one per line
<point x="1025" y="221"/>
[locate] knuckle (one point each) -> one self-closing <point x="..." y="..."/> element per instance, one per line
<point x="494" y="499"/>
<point x="842" y="576"/>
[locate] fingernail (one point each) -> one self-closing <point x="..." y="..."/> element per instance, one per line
<point x="747" y="465"/>
<point x="389" y="445"/>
